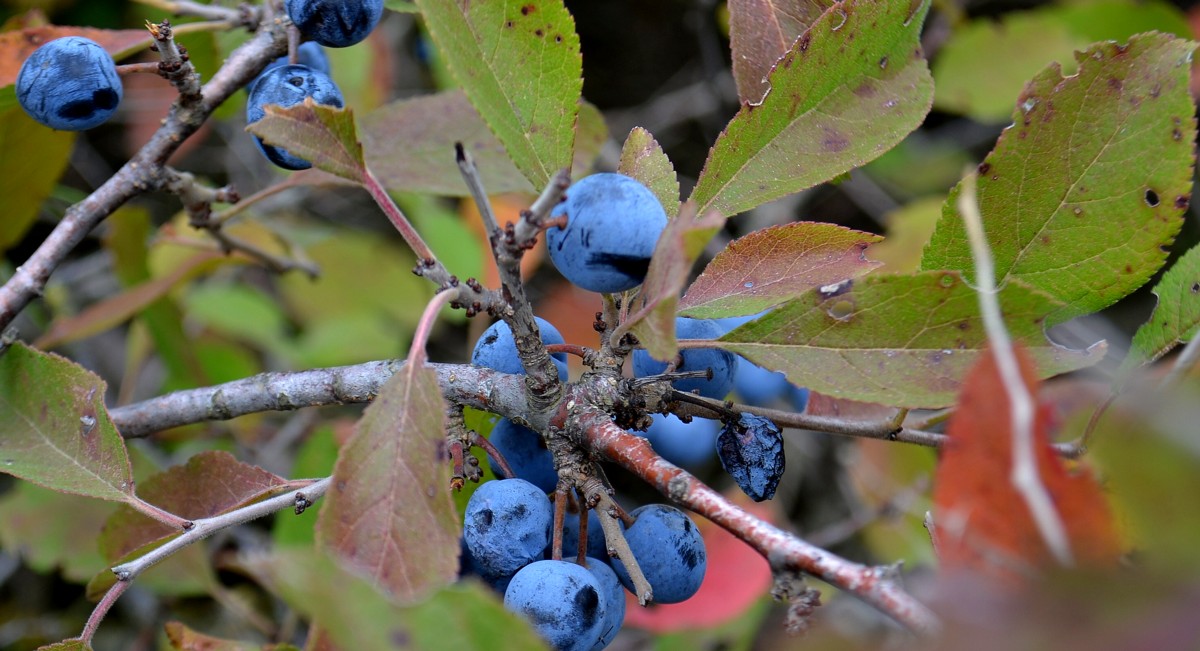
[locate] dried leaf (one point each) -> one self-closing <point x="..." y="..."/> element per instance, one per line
<point x="1091" y="181"/>
<point x="182" y="638"/>
<point x="776" y="264"/>
<point x="851" y="88"/>
<point x="981" y="522"/>
<point x="642" y="158"/>
<point x="762" y="31"/>
<point x="389" y="515"/>
<point x="16" y="46"/>
<point x="903" y="341"/>
<point x="57" y="430"/>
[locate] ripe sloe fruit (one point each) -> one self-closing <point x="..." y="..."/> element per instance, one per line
<point x="70" y="84"/>
<point x="596" y="545"/>
<point x="613" y="224"/>
<point x="526" y="454"/>
<point x="563" y="601"/>
<point x="751" y="451"/>
<point x="497" y="349"/>
<point x="613" y="596"/>
<point x="689" y="445"/>
<point x="309" y="54"/>
<point x="722" y="363"/>
<point x="506" y="526"/>
<point x="670" y="551"/>
<point x="335" y="23"/>
<point x="288" y="86"/>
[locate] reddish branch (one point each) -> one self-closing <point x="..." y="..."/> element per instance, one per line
<point x="783" y="550"/>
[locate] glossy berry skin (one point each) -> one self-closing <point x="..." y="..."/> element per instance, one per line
<point x="70" y="84"/>
<point x="613" y="596"/>
<point x="309" y="54"/>
<point x="563" y="601"/>
<point x="689" y="445"/>
<point x="613" y="224"/>
<point x="497" y="349"/>
<point x="288" y="86"/>
<point x="722" y="363"/>
<point x="751" y="451"/>
<point x="670" y="551"/>
<point x="506" y="526"/>
<point x="526" y="454"/>
<point x="335" y="23"/>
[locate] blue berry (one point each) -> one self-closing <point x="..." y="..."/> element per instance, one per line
<point x="506" y="526"/>
<point x="670" y="551"/>
<point x="798" y="396"/>
<point x="563" y="601"/>
<point x="689" y="445"/>
<point x="288" y="86"/>
<point x="69" y="84"/>
<point x="722" y="363"/>
<point x="497" y="349"/>
<point x="309" y="54"/>
<point x="613" y="596"/>
<point x="335" y="23"/>
<point x="468" y="566"/>
<point x="613" y="224"/>
<point x="526" y="454"/>
<point x="751" y="451"/>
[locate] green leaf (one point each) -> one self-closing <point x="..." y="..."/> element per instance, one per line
<point x="389" y="514"/>
<point x="762" y="31"/>
<point x="322" y="135"/>
<point x="1082" y="193"/>
<point x="240" y="311"/>
<point x="1176" y="318"/>
<point x="56" y="428"/>
<point x="1020" y="44"/>
<point x="642" y="158"/>
<point x="51" y="530"/>
<point x="850" y="88"/>
<point x="355" y="615"/>
<point x="678" y="247"/>
<point x="903" y="341"/>
<point x="519" y="64"/>
<point x="776" y="264"/>
<point x="32" y="158"/>
<point x="210" y="483"/>
<point x="403" y="6"/>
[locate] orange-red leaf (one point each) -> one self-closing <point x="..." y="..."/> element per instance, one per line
<point x="981" y="522"/>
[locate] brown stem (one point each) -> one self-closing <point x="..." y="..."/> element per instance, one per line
<point x="781" y="549"/>
<point x="597" y="497"/>
<point x="494" y="454"/>
<point x="560" y="516"/>
<point x="570" y="349"/>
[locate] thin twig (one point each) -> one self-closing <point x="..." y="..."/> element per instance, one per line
<point x="597" y="498"/>
<point x="298" y="499"/>
<point x="1024" y="475"/>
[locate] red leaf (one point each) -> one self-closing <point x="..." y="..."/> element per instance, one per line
<point x="737" y="577"/>
<point x="389" y="514"/>
<point x="981" y="522"/>
<point x="777" y="264"/>
<point x="210" y="483"/>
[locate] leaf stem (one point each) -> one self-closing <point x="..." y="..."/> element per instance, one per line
<point x="106" y="603"/>
<point x="1024" y="476"/>
<point x="396" y="216"/>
